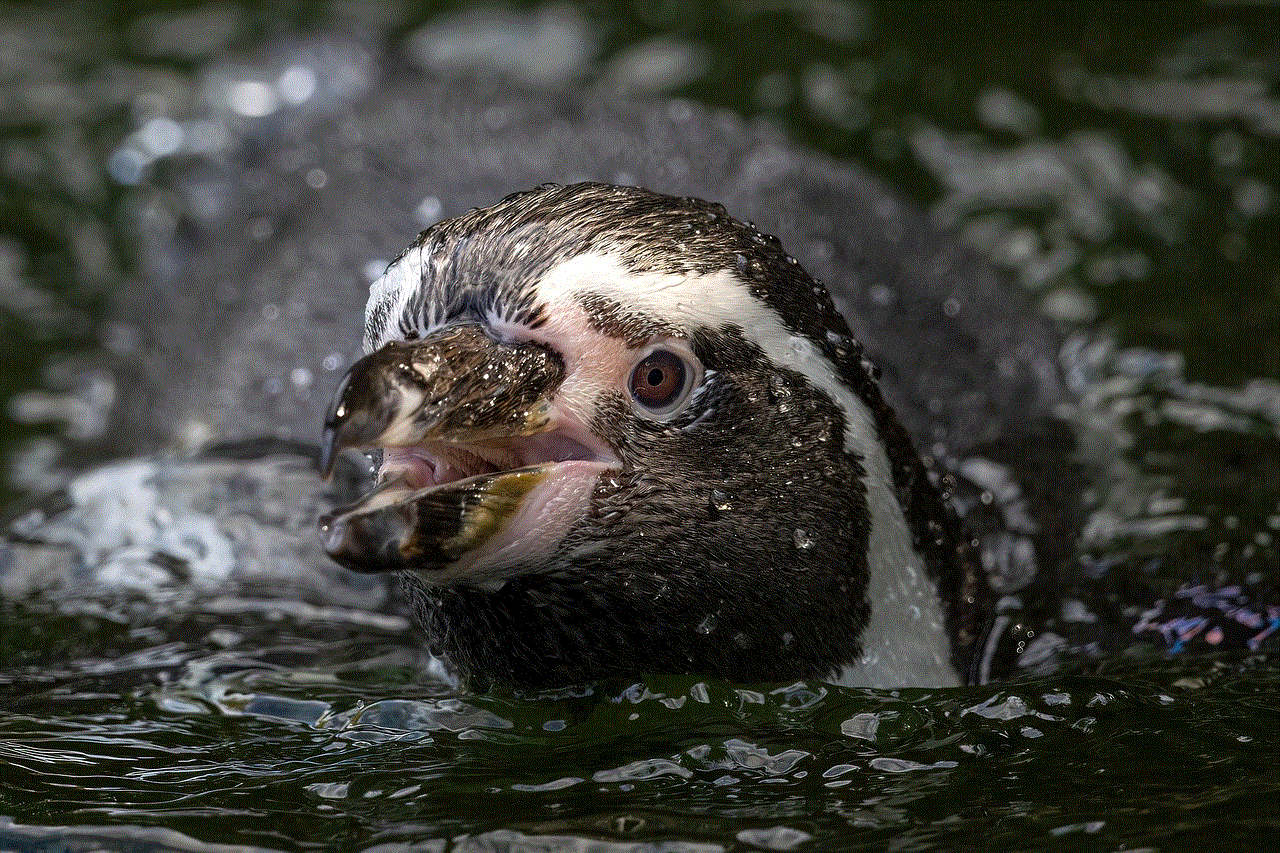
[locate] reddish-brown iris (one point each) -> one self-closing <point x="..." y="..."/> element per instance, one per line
<point x="658" y="380"/>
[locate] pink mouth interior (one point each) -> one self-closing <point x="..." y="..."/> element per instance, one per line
<point x="423" y="466"/>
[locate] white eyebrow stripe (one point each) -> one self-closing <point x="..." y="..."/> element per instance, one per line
<point x="710" y="300"/>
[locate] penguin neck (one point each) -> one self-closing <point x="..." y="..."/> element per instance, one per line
<point x="927" y="593"/>
<point x="545" y="630"/>
<point x="906" y="641"/>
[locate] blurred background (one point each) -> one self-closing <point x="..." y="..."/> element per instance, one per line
<point x="1124" y="174"/>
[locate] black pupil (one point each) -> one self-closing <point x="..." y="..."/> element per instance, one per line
<point x="658" y="380"/>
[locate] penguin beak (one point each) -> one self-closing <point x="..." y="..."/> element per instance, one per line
<point x="459" y="386"/>
<point x="472" y="443"/>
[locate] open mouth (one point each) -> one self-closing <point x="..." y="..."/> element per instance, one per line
<point x="437" y="463"/>
<point x="439" y="507"/>
<point x="479" y="468"/>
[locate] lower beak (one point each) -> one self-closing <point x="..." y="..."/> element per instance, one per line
<point x="396" y="529"/>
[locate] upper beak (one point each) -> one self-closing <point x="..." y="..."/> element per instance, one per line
<point x="456" y="386"/>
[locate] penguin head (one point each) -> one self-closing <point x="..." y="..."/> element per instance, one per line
<point x="623" y="432"/>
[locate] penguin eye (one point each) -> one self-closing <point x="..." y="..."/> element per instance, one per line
<point x="662" y="381"/>
<point x="658" y="379"/>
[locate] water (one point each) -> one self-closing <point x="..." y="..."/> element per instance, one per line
<point x="320" y="735"/>
<point x="1124" y="175"/>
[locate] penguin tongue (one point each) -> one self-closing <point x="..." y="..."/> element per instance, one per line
<point x="422" y="467"/>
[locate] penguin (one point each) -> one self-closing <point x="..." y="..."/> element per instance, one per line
<point x="623" y="432"/>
